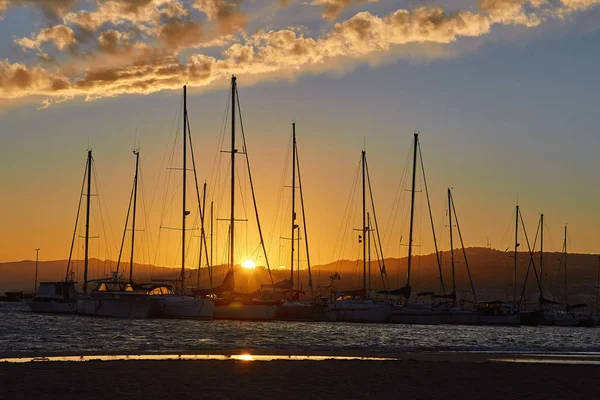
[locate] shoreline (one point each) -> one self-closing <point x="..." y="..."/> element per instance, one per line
<point x="417" y="376"/>
<point x="300" y="355"/>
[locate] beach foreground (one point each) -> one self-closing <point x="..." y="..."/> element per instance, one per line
<point x="430" y="376"/>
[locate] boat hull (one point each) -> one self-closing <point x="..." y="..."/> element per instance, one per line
<point x="116" y="306"/>
<point x="245" y="310"/>
<point x="51" y="307"/>
<point x="505" y="320"/>
<point x="359" y="311"/>
<point x="295" y="311"/>
<point x="182" y="307"/>
<point x="428" y="315"/>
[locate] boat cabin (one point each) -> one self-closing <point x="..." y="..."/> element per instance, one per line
<point x="52" y="291"/>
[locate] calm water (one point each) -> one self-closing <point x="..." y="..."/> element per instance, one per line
<point x="23" y="331"/>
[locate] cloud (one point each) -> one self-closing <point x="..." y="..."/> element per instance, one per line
<point x="61" y="36"/>
<point x="509" y="12"/>
<point x="225" y="13"/>
<point x="123" y="66"/>
<point x="52" y="8"/>
<point x="333" y="8"/>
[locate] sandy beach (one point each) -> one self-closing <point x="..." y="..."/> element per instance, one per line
<point x="411" y="376"/>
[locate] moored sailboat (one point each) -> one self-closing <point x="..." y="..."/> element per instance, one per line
<point x="356" y="305"/>
<point x="228" y="304"/>
<point x="114" y="297"/>
<point x="61" y="297"/>
<point x="443" y="308"/>
<point x="293" y="307"/>
<point x="170" y="304"/>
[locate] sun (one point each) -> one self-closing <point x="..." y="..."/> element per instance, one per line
<point x="249" y="264"/>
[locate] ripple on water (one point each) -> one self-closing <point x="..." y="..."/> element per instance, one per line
<point x="23" y="331"/>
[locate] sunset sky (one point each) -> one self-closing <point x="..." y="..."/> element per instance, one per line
<point x="505" y="94"/>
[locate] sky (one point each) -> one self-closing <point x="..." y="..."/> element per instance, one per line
<point x="503" y="93"/>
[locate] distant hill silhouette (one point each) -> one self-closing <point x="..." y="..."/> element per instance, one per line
<point x="491" y="271"/>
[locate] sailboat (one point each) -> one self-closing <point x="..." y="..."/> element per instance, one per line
<point x="409" y="312"/>
<point x="566" y="317"/>
<point x="357" y="306"/>
<point x="294" y="308"/>
<point x="228" y="304"/>
<point x="61" y="297"/>
<point x="114" y="297"/>
<point x="170" y="304"/>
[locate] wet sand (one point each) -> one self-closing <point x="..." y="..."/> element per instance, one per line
<point x="410" y="376"/>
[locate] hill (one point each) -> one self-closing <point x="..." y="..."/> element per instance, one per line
<point x="491" y="271"/>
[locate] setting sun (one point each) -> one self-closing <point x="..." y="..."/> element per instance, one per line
<point x="249" y="264"/>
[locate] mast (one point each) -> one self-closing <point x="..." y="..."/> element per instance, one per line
<point x="412" y="207"/>
<point x="202" y="236"/>
<point x="462" y="244"/>
<point x="135" y="185"/>
<point x="541" y="252"/>
<point x="294" y="204"/>
<point x="451" y="246"/>
<point x="364" y="226"/>
<point x="183" y="210"/>
<point x="304" y="226"/>
<point x="233" y="151"/>
<point x="87" y="221"/>
<point x="566" y="287"/>
<point x="211" y="241"/>
<point x="369" y="248"/>
<point x="515" y="269"/>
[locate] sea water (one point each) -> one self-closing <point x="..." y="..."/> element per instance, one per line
<point x="22" y="331"/>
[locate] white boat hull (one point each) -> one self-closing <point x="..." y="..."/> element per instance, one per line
<point x="115" y="307"/>
<point x="52" y="307"/>
<point x="298" y="311"/>
<point x="184" y="307"/>
<point x="352" y="310"/>
<point x="254" y="311"/>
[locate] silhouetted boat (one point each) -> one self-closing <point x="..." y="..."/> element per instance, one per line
<point x="444" y="308"/>
<point x="55" y="297"/>
<point x="61" y="297"/>
<point x="227" y="303"/>
<point x="356" y="305"/>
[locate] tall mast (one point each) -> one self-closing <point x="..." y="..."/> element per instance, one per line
<point x="304" y="225"/>
<point x="183" y="210"/>
<point x="364" y="225"/>
<point x="541" y="253"/>
<point x="294" y="203"/>
<point x="412" y="207"/>
<point x="202" y="236"/>
<point x="211" y="242"/>
<point x="451" y="245"/>
<point x="515" y="269"/>
<point x="566" y="287"/>
<point x="87" y="220"/>
<point x="135" y="185"/>
<point x="233" y="151"/>
<point x="369" y="248"/>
